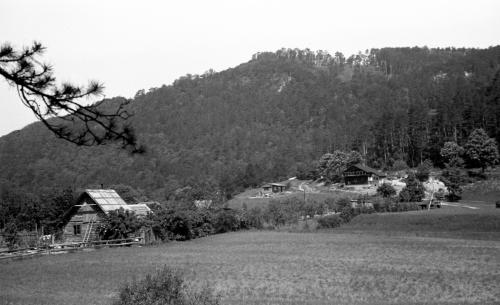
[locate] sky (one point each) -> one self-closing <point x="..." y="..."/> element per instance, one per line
<point x="133" y="45"/>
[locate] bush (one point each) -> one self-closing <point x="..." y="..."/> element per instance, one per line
<point x="11" y="235"/>
<point x="255" y="219"/>
<point x="166" y="286"/>
<point x="275" y="214"/>
<point x="330" y="221"/>
<point x="366" y="210"/>
<point x="346" y="214"/>
<point x="404" y="195"/>
<point x="282" y="213"/>
<point x="226" y="221"/>
<point x="119" y="224"/>
<point x="330" y="204"/>
<point x="379" y="205"/>
<point x="343" y="202"/>
<point x="406" y="206"/>
<point x="179" y="224"/>
<point x="413" y="191"/>
<point x="386" y="190"/>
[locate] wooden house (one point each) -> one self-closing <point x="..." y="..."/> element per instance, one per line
<point x="362" y="174"/>
<point x="278" y="187"/>
<point x="89" y="214"/>
<point x="273" y="187"/>
<point x="266" y="188"/>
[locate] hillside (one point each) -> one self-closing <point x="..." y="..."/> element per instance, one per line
<point x="274" y="115"/>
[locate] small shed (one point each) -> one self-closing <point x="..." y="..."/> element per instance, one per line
<point x="273" y="187"/>
<point x="278" y="187"/>
<point x="362" y="174"/>
<point x="89" y="213"/>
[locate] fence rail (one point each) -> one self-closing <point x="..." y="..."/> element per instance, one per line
<point x="23" y="253"/>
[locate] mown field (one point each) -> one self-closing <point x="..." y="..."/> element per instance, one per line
<point x="355" y="265"/>
<point x="449" y="222"/>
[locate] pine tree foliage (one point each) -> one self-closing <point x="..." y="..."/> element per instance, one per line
<point x="60" y="107"/>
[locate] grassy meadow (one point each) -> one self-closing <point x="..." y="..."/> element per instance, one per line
<point x="318" y="195"/>
<point x="358" y="264"/>
<point x="449" y="222"/>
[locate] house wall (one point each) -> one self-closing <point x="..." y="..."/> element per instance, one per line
<point x="87" y="217"/>
<point x="349" y="180"/>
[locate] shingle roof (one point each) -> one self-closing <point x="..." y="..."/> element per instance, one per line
<point x="369" y="169"/>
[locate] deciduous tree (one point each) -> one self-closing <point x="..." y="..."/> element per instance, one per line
<point x="481" y="150"/>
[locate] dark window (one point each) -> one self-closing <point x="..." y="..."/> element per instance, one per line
<point x="77" y="230"/>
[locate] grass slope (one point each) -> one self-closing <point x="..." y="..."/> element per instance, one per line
<point x="334" y="267"/>
<point x="314" y="193"/>
<point x="450" y="222"/>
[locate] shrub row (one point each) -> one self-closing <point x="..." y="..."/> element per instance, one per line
<point x="177" y="222"/>
<point x="380" y="205"/>
<point x="184" y="224"/>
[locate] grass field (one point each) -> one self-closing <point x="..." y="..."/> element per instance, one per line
<point x="450" y="222"/>
<point x="396" y="260"/>
<point x="262" y="203"/>
<point x="296" y="190"/>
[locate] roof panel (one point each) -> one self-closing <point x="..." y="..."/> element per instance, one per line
<point x="108" y="200"/>
<point x="139" y="209"/>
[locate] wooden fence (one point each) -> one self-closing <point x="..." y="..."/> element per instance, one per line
<point x="28" y="252"/>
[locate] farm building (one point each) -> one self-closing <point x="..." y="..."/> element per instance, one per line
<point x="362" y="174"/>
<point x="90" y="211"/>
<point x="274" y="187"/>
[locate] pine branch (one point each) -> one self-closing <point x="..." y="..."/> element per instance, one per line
<point x="59" y="108"/>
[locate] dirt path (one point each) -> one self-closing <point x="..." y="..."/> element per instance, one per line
<point x="459" y="205"/>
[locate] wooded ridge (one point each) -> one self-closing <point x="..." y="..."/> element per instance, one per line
<point x="273" y="116"/>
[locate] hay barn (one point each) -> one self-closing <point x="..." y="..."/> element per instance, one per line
<point x="89" y="213"/>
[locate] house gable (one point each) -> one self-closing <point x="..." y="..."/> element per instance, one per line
<point x="89" y="214"/>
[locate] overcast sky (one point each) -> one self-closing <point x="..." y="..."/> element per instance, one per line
<point x="132" y="45"/>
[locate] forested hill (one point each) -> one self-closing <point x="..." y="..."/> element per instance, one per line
<point x="265" y="119"/>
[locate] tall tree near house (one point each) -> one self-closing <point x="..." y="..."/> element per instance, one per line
<point x="416" y="132"/>
<point x="451" y="153"/>
<point x="331" y="165"/>
<point x="58" y="106"/>
<point x="452" y="179"/>
<point x="481" y="150"/>
<point x="413" y="191"/>
<point x="354" y="157"/>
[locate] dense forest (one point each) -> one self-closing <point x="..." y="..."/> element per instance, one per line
<point x="264" y="120"/>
